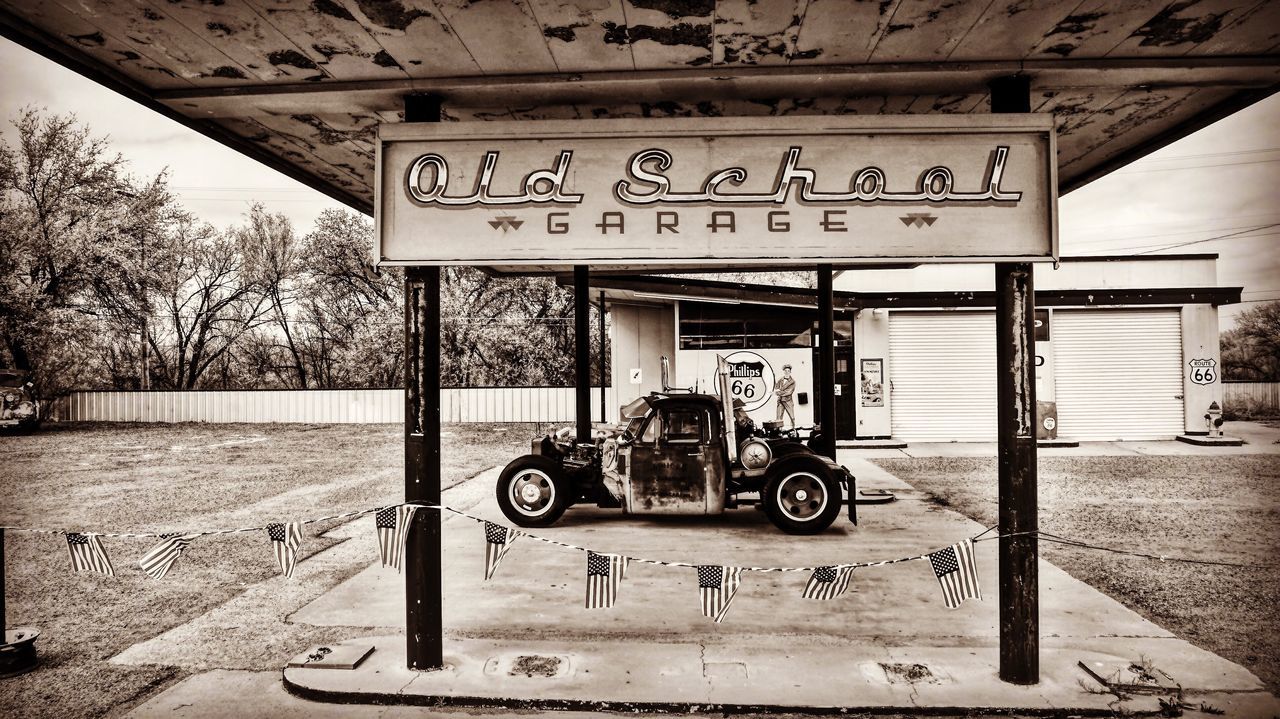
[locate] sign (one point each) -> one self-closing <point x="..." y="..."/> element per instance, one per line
<point x="718" y="191"/>
<point x="1203" y="372"/>
<point x="871" y="382"/>
<point x="751" y="379"/>
<point x="1042" y="325"/>
<point x="635" y="375"/>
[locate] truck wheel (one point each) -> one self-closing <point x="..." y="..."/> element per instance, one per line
<point x="533" y="491"/>
<point x="802" y="496"/>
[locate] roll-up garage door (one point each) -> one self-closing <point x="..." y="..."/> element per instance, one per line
<point x="1118" y="373"/>
<point x="942" y="366"/>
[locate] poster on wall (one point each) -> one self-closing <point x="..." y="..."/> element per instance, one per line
<point x="871" y="380"/>
<point x="757" y="377"/>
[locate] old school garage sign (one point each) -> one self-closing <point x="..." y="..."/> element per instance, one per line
<point x="718" y="191"/>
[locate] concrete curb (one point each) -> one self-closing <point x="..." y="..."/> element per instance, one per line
<point x="476" y="702"/>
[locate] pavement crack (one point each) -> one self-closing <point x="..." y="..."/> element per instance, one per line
<point x="412" y="679"/>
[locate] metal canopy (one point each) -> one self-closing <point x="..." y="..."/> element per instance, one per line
<point x="303" y="85"/>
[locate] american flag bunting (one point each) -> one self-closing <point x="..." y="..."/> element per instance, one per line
<point x="393" y="526"/>
<point x="957" y="572"/>
<point x="498" y="539"/>
<point x="88" y="554"/>
<point x="604" y="571"/>
<point x="285" y="539"/>
<point x="160" y="559"/>
<point x="828" y="582"/>
<point x="716" y="588"/>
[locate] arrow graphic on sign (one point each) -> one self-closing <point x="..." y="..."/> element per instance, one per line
<point x="505" y="222"/>
<point x="918" y="219"/>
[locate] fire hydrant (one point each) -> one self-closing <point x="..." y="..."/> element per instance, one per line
<point x="1213" y="418"/>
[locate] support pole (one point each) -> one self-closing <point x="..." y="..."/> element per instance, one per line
<point x="827" y="360"/>
<point x="1016" y="437"/>
<point x="604" y="364"/>
<point x="424" y="560"/>
<point x="582" y="350"/>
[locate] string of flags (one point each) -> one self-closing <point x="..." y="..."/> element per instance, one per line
<point x="717" y="585"/>
<point x="954" y="566"/>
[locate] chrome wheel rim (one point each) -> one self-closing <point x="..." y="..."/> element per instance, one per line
<point x="531" y="492"/>
<point x="801" y="496"/>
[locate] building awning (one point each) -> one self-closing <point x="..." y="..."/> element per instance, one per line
<point x="621" y="288"/>
<point x="303" y="86"/>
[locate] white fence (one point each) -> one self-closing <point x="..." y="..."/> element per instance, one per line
<point x="1256" y="395"/>
<point x="490" y="404"/>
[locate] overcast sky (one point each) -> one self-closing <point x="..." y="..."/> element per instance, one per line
<point x="1220" y="181"/>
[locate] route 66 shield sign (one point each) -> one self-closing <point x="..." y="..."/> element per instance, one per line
<point x="1203" y="371"/>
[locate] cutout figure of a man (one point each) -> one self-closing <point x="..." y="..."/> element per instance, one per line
<point x="785" y="389"/>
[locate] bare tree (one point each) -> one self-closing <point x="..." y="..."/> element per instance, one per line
<point x="1251" y="350"/>
<point x="273" y="260"/>
<point x="352" y="317"/>
<point x="65" y="206"/>
<point x="205" y="300"/>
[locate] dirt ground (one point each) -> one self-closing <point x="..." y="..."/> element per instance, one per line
<point x="134" y="478"/>
<point x="1220" y="508"/>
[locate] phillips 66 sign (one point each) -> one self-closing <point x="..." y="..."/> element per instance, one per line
<point x="685" y="192"/>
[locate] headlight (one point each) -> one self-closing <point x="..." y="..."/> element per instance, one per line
<point x="755" y="454"/>
<point x="11" y="397"/>
<point x="24" y="409"/>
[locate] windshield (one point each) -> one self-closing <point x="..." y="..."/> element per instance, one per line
<point x="12" y="379"/>
<point x="633" y="428"/>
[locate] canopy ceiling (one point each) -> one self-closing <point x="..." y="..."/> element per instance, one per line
<point x="303" y="85"/>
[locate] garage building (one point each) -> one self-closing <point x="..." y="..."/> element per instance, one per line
<point x="1126" y="347"/>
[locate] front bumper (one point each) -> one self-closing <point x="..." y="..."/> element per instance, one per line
<point x="851" y="492"/>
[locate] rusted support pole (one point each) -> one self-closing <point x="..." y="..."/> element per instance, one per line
<point x="424" y="560"/>
<point x="1016" y="437"/>
<point x="604" y="361"/>
<point x="1016" y="394"/>
<point x="582" y="350"/>
<point x="827" y="360"/>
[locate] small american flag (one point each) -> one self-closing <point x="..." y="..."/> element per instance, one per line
<point x="828" y="582"/>
<point x="604" y="571"/>
<point x="160" y="559"/>
<point x="88" y="555"/>
<point x="286" y="538"/>
<point x="498" y="539"/>
<point x="717" y="587"/>
<point x="957" y="573"/>
<point x="393" y="526"/>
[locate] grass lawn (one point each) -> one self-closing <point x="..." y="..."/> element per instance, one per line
<point x="1223" y="508"/>
<point x="134" y="478"/>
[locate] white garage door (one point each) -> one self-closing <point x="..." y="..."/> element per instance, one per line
<point x="942" y="366"/>
<point x="1118" y="373"/>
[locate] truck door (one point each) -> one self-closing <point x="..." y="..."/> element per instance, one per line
<point x="668" y="472"/>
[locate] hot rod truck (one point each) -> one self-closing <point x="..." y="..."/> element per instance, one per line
<point x="679" y="452"/>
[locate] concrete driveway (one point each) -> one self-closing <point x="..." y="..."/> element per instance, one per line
<point x="889" y="643"/>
